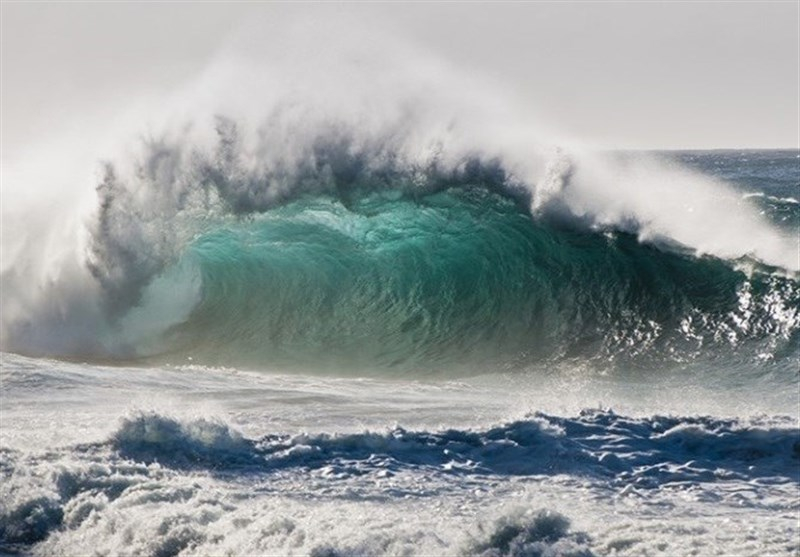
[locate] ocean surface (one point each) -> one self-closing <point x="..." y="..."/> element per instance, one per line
<point x="355" y="351"/>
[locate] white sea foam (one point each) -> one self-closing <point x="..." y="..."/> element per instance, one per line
<point x="186" y="460"/>
<point x="217" y="461"/>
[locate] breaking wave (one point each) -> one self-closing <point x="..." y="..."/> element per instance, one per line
<point x="398" y="236"/>
<point x="457" y="277"/>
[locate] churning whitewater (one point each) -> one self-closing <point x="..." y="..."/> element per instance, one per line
<point x="348" y="322"/>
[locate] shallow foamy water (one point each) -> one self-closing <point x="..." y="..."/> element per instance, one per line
<point x="212" y="461"/>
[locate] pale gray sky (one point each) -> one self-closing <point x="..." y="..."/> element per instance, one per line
<point x="625" y="74"/>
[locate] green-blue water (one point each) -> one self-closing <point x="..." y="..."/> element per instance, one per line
<point x="464" y="278"/>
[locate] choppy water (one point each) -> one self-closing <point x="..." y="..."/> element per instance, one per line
<point x="359" y="355"/>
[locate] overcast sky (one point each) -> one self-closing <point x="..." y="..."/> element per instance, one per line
<point x="632" y="75"/>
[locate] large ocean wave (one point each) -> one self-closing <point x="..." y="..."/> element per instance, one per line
<point x="356" y="257"/>
<point x="333" y="300"/>
<point x="330" y="243"/>
<point x="460" y="277"/>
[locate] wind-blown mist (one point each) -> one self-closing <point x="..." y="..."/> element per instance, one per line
<point x="341" y="298"/>
<point x="276" y="211"/>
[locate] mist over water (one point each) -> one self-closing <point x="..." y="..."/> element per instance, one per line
<point x="323" y="156"/>
<point x="327" y="300"/>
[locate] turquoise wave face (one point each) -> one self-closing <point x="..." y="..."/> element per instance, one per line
<point x="462" y="279"/>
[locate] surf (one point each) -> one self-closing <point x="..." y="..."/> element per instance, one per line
<point x="374" y="228"/>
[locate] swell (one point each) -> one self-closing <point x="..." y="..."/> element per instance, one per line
<point x="461" y="278"/>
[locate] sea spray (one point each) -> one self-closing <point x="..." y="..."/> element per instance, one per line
<point x="134" y="198"/>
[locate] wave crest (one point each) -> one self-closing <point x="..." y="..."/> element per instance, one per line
<point x="147" y="284"/>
